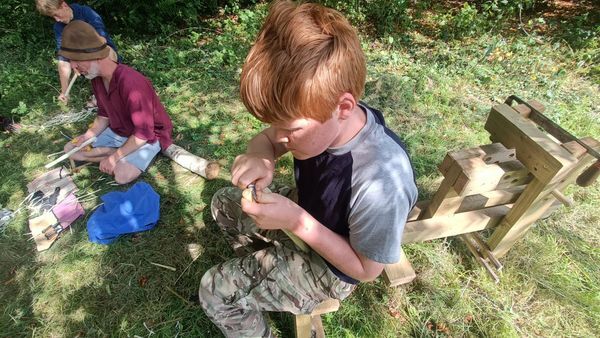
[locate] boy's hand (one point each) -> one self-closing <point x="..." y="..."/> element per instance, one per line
<point x="251" y="168"/>
<point x="63" y="98"/>
<point x="272" y="211"/>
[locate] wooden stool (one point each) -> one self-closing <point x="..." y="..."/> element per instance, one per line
<point x="304" y="323"/>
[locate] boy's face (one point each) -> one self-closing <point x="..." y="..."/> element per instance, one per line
<point x="63" y="13"/>
<point x="305" y="137"/>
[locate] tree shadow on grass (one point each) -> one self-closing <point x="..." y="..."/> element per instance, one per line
<point x="129" y="295"/>
<point x="19" y="260"/>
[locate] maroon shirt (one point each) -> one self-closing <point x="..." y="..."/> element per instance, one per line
<point x="132" y="107"/>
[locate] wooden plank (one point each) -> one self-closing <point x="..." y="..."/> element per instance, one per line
<point x="499" y="176"/>
<point x="578" y="150"/>
<point x="515" y="174"/>
<point x="475" y="202"/>
<point x="445" y="226"/>
<point x="539" y="153"/>
<point x="317" y="325"/>
<point x="490" y="199"/>
<point x="489" y="153"/>
<point x="524" y="111"/>
<point x="439" y="204"/>
<point x="532" y="205"/>
<point x="326" y="306"/>
<point x="416" y="210"/>
<point x="302" y="325"/>
<point x="477" y="176"/>
<point x="399" y="273"/>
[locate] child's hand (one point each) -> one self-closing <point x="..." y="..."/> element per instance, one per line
<point x="272" y="211"/>
<point x="249" y="168"/>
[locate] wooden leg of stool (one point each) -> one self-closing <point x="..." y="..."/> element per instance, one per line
<point x="317" y="324"/>
<point x="305" y="323"/>
<point x="303" y="326"/>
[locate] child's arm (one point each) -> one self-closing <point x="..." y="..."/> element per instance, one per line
<point x="274" y="211"/>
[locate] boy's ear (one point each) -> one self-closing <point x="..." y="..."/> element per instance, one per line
<point x="346" y="104"/>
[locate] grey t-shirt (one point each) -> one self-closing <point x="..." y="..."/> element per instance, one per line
<point x="362" y="190"/>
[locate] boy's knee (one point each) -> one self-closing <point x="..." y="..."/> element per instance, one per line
<point x="208" y="285"/>
<point x="223" y="199"/>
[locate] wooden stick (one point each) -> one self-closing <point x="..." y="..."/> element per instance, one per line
<point x="567" y="201"/>
<point x="480" y="258"/>
<point x="71" y="152"/>
<point x="485" y="250"/>
<point x="191" y="162"/>
<point x="164" y="266"/>
<point x="75" y="75"/>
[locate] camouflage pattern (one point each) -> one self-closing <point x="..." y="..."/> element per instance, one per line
<point x="271" y="275"/>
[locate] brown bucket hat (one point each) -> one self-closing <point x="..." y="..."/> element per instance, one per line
<point x="81" y="42"/>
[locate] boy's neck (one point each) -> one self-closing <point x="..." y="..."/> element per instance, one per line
<point x="351" y="126"/>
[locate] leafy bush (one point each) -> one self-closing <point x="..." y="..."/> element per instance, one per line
<point x="149" y="17"/>
<point x="20" y="23"/>
<point x="385" y="16"/>
<point x="499" y="9"/>
<point x="466" y="22"/>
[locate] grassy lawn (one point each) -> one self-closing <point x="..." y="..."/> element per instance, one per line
<point x="435" y="93"/>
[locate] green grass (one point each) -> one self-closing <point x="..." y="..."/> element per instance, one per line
<point x="436" y="94"/>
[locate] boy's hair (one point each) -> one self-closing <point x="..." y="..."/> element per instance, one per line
<point x="47" y="7"/>
<point x="304" y="58"/>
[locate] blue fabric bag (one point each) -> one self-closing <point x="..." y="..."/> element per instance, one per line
<point x="124" y="212"/>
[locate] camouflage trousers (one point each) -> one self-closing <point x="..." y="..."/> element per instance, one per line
<point x="271" y="274"/>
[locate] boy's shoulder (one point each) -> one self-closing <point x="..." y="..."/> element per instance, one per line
<point x="83" y="12"/>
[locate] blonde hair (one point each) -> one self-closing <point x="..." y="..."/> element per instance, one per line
<point x="48" y="7"/>
<point x="304" y="58"/>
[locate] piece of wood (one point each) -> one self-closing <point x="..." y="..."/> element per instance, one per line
<point x="191" y="162"/>
<point x="75" y="75"/>
<point x="578" y="150"/>
<point x="71" y="152"/>
<point x="540" y="154"/>
<point x="417" y="209"/>
<point x="469" y="242"/>
<point x="489" y="153"/>
<point x="567" y="201"/>
<point x="303" y="323"/>
<point x="485" y="250"/>
<point x="317" y="325"/>
<point x="452" y="225"/>
<point x="399" y="273"/>
<point x="589" y="176"/>
<point x="490" y="199"/>
<point x="524" y="111"/>
<point x="326" y="306"/>
<point x="532" y="205"/>
<point x="441" y="204"/>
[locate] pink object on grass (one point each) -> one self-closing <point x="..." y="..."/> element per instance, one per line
<point x="68" y="210"/>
